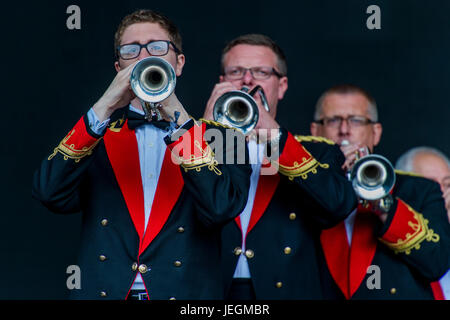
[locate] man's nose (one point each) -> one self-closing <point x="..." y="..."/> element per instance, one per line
<point x="344" y="127"/>
<point x="143" y="54"/>
<point x="247" y="79"/>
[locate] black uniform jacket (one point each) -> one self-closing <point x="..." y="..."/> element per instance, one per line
<point x="309" y="192"/>
<point x="397" y="259"/>
<point x="178" y="255"/>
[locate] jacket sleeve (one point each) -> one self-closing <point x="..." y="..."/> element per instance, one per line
<point x="56" y="182"/>
<point x="215" y="170"/>
<point x="315" y="166"/>
<point x="420" y="236"/>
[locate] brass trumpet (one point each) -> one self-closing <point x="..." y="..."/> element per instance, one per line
<point x="152" y="79"/>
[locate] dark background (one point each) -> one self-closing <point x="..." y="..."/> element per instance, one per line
<point x="54" y="75"/>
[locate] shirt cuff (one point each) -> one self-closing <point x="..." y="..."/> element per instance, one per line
<point x="94" y="123"/>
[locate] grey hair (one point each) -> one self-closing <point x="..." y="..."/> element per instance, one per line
<point x="406" y="161"/>
<point x="347" y="89"/>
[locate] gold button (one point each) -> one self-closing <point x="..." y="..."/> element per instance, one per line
<point x="151" y="144"/>
<point x="150" y="176"/>
<point x="177" y="263"/>
<point x="104" y="222"/>
<point x="102" y="257"/>
<point x="279" y="284"/>
<point x="134" y="266"/>
<point x="172" y="298"/>
<point x="393" y="290"/>
<point x="287" y="250"/>
<point x="237" y="251"/>
<point x="143" y="268"/>
<point x="102" y="294"/>
<point x="249" y="253"/>
<point x="180" y="229"/>
<point x="292" y="216"/>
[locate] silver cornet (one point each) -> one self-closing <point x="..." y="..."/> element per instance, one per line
<point x="152" y="79"/>
<point x="238" y="109"/>
<point x="373" y="178"/>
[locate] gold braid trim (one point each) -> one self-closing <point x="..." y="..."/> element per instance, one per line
<point x="408" y="173"/>
<point x="300" y="138"/>
<point x="301" y="170"/>
<point x="413" y="241"/>
<point x="215" y="123"/>
<point x="206" y="159"/>
<point x="69" y="151"/>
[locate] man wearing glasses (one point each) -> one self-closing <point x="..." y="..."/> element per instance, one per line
<point x="270" y="250"/>
<point x="394" y="252"/>
<point x="151" y="230"/>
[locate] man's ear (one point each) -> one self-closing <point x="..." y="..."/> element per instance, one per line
<point x="314" y="129"/>
<point x="117" y="66"/>
<point x="181" y="59"/>
<point x="377" y="131"/>
<point x="282" y="87"/>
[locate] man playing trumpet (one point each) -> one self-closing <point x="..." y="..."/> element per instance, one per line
<point x="380" y="252"/>
<point x="151" y="227"/>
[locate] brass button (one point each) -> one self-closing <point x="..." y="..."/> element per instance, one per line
<point x="134" y="266"/>
<point x="249" y="253"/>
<point x="104" y="222"/>
<point x="237" y="251"/>
<point x="177" y="263"/>
<point x="102" y="257"/>
<point x="393" y="290"/>
<point x="143" y="268"/>
<point x="292" y="216"/>
<point x="279" y="284"/>
<point x="180" y="229"/>
<point x="103" y="294"/>
<point x="172" y="298"/>
<point x="287" y="250"/>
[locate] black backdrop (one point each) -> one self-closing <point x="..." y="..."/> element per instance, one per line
<point x="53" y="75"/>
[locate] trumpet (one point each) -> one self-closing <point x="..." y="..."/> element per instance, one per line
<point x="373" y="178"/>
<point x="238" y="109"/>
<point x="152" y="79"/>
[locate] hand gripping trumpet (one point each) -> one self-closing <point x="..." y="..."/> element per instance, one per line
<point x="373" y="178"/>
<point x="152" y="79"/>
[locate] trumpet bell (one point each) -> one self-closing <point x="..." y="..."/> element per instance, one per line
<point x="237" y="109"/>
<point x="373" y="177"/>
<point x="153" y="79"/>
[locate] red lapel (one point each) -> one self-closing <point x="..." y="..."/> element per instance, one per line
<point x="123" y="154"/>
<point x="337" y="254"/>
<point x="170" y="184"/>
<point x="267" y="185"/>
<point x="362" y="251"/>
<point x="437" y="290"/>
<point x="348" y="266"/>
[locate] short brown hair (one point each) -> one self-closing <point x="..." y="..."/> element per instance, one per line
<point x="347" y="89"/>
<point x="141" y="16"/>
<point x="256" y="39"/>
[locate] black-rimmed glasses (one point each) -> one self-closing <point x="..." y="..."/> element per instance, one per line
<point x="154" y="48"/>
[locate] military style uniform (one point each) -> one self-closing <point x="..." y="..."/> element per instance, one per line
<point x="407" y="252"/>
<point x="178" y="254"/>
<point x="309" y="192"/>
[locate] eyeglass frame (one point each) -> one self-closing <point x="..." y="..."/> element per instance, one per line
<point x="177" y="51"/>
<point x="273" y="71"/>
<point x="341" y="119"/>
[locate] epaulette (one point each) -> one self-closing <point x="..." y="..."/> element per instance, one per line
<point x="215" y="123"/>
<point x="300" y="138"/>
<point x="408" y="173"/>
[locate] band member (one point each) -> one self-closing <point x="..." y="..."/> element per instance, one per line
<point x="383" y="250"/>
<point x="151" y="226"/>
<point x="432" y="164"/>
<point x="270" y="250"/>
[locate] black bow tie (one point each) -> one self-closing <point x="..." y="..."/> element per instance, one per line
<point x="136" y="119"/>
